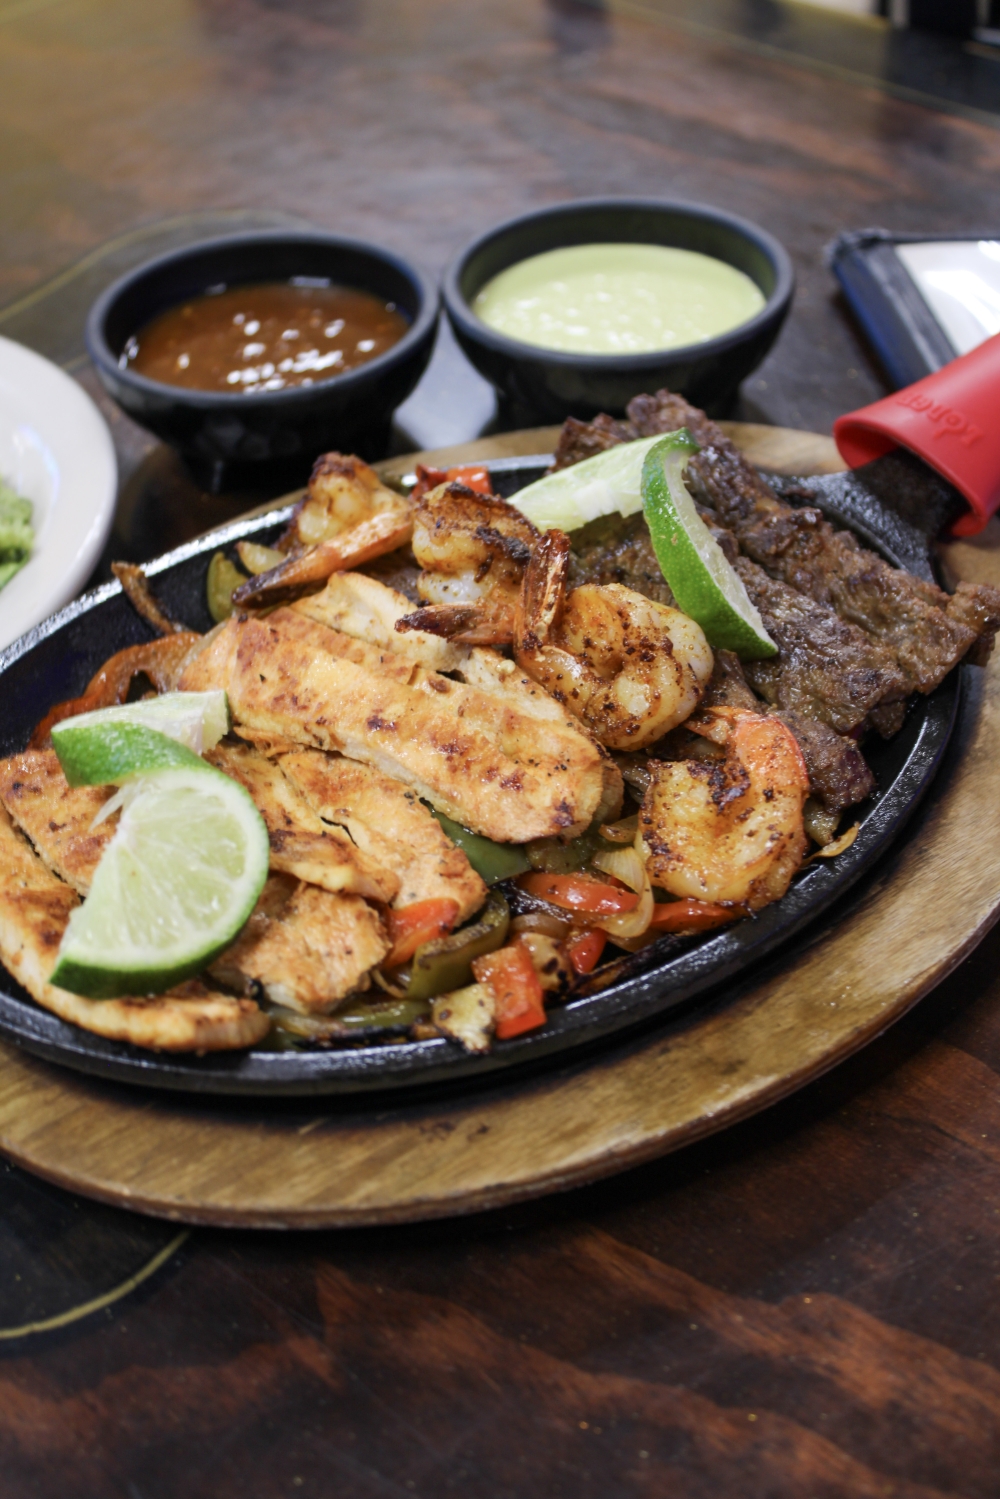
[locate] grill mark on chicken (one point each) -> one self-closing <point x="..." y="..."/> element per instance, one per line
<point x="55" y="816"/>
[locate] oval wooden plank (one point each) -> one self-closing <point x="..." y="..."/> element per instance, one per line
<point x="309" y="1165"/>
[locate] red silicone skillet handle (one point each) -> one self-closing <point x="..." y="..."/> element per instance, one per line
<point x="950" y="419"/>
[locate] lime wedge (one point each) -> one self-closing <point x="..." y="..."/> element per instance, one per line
<point x="197" y="720"/>
<point x="610" y="483"/>
<point x="173" y="888"/>
<point x="106" y="754"/>
<point x="704" y="584"/>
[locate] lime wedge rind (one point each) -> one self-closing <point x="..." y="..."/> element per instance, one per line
<point x="706" y="586"/>
<point x="173" y="889"/>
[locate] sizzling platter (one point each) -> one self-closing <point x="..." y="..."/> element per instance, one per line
<point x="59" y="657"/>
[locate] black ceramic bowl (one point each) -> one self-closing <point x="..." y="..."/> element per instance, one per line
<point x="552" y="384"/>
<point x="286" y="428"/>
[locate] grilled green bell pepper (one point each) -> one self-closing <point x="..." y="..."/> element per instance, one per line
<point x="553" y="857"/>
<point x="491" y="861"/>
<point x="358" y="1019"/>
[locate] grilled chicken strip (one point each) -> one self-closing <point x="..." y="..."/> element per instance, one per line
<point x="35" y="908"/>
<point x="56" y="817"/>
<point x="388" y="822"/>
<point x="482" y="761"/>
<point x="301" y="843"/>
<point x="307" y="949"/>
<point x="366" y="609"/>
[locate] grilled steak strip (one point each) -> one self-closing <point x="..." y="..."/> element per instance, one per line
<point x="825" y="667"/>
<point x="610" y="550"/>
<point x="796" y="684"/>
<point x="855" y="636"/>
<point x="579" y="440"/>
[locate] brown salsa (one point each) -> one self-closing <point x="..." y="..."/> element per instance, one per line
<point x="267" y="336"/>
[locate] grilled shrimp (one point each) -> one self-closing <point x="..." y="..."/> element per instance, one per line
<point x="473" y="549"/>
<point x="347" y="518"/>
<point x="628" y="668"/>
<point x="730" y="830"/>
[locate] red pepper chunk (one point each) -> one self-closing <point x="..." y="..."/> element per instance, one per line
<point x="411" y="926"/>
<point x="472" y="475"/>
<point x="577" y="892"/>
<point x="584" y="949"/>
<point x="685" y="916"/>
<point x="517" y="993"/>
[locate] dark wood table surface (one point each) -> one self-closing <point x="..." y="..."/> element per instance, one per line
<point x="804" y="1305"/>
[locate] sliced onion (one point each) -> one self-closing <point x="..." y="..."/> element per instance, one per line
<point x="838" y="846"/>
<point x="626" y="865"/>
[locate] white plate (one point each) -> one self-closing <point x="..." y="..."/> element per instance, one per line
<point x="56" y="450"/>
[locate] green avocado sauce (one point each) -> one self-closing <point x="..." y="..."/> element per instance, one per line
<point x="617" y="299"/>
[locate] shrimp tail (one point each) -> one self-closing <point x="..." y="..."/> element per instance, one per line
<point x="380" y="533"/>
<point x="543" y="591"/>
<point x="466" y="624"/>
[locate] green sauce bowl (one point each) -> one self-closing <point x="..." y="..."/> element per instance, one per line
<point x="549" y="384"/>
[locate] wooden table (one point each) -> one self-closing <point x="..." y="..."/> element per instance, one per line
<point x="805" y="1305"/>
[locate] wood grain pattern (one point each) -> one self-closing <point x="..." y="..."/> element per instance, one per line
<point x="316" y="1165"/>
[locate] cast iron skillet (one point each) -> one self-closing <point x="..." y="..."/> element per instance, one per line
<point x="55" y="660"/>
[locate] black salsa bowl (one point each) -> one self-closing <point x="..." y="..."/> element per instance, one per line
<point x="54" y="661"/>
<point x="285" y="429"/>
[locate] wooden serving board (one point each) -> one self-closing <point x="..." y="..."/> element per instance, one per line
<point x="342" y="1163"/>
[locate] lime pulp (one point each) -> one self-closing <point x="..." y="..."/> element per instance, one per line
<point x="173" y="888"/>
